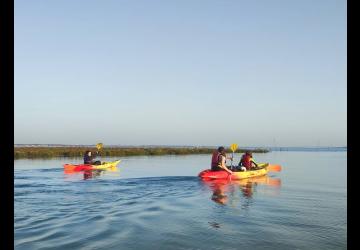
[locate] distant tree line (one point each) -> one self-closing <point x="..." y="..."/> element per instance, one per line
<point x="53" y="152"/>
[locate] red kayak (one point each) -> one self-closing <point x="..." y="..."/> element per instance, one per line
<point x="78" y="168"/>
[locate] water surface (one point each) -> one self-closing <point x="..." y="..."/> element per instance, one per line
<point x="159" y="203"/>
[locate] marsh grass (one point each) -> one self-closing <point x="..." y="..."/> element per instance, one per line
<point x="53" y="152"/>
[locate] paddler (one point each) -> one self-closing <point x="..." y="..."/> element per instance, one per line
<point x="89" y="159"/>
<point x="218" y="160"/>
<point x="247" y="161"/>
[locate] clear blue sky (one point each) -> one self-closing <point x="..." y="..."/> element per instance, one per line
<point x="181" y="72"/>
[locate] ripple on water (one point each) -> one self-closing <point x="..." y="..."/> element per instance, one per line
<point x="171" y="213"/>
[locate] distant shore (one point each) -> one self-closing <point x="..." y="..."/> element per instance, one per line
<point x="45" y="152"/>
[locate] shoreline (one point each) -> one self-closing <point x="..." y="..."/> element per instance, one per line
<point x="54" y="152"/>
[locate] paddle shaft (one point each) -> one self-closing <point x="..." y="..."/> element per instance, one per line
<point x="232" y="157"/>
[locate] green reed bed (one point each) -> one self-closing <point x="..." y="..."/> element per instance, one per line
<point x="52" y="152"/>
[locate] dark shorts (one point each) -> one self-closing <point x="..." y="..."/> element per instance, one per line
<point x="216" y="168"/>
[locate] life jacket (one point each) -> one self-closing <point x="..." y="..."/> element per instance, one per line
<point x="246" y="161"/>
<point x="87" y="159"/>
<point x="215" y="159"/>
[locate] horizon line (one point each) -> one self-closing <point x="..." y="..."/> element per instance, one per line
<point x="173" y="145"/>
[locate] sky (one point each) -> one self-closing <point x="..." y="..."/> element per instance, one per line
<point x="181" y="72"/>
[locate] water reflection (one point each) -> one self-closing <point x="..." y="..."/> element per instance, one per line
<point x="89" y="174"/>
<point x="224" y="191"/>
<point x="219" y="195"/>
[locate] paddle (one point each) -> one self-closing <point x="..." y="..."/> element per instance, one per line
<point x="99" y="146"/>
<point x="274" y="168"/>
<point x="233" y="148"/>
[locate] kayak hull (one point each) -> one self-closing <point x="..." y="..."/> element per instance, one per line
<point x="86" y="167"/>
<point x="208" y="174"/>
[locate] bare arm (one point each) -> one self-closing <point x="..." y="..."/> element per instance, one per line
<point x="252" y="161"/>
<point x="223" y="165"/>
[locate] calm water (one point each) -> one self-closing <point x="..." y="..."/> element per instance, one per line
<point x="159" y="203"/>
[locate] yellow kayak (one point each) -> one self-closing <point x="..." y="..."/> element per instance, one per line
<point x="252" y="173"/>
<point x="106" y="165"/>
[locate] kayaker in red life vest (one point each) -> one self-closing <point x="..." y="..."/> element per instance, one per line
<point x="88" y="158"/>
<point x="247" y="162"/>
<point x="218" y="160"/>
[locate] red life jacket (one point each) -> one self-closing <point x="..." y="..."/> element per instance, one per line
<point x="246" y="161"/>
<point x="215" y="159"/>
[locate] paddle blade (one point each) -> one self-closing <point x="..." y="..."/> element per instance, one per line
<point x="233" y="147"/>
<point x="99" y="146"/>
<point x="274" y="168"/>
